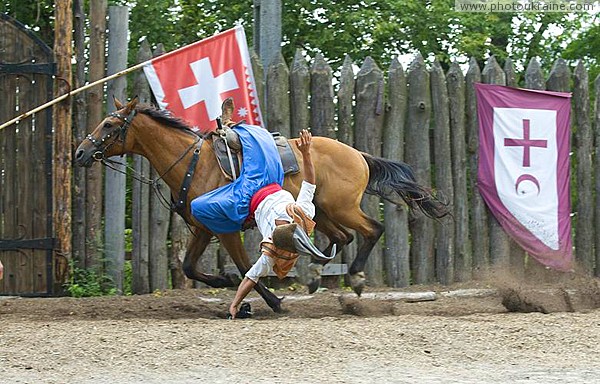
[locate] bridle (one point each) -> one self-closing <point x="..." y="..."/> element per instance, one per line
<point x="121" y="135"/>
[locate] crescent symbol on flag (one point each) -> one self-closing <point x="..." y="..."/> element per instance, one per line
<point x="527" y="177"/>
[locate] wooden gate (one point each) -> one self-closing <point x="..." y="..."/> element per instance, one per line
<point x="26" y="230"/>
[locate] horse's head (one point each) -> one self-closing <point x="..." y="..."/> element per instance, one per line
<point x="108" y="138"/>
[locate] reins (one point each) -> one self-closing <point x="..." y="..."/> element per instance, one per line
<point x="178" y="205"/>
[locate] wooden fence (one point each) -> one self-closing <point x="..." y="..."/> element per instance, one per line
<point x="423" y="115"/>
<point x="427" y="117"/>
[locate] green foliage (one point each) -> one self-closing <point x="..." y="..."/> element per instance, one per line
<point x="89" y="283"/>
<point x="36" y="15"/>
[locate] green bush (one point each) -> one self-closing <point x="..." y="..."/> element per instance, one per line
<point x="89" y="283"/>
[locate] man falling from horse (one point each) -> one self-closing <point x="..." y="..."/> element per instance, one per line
<point x="274" y="207"/>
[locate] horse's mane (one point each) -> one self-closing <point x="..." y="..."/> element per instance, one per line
<point x="165" y="117"/>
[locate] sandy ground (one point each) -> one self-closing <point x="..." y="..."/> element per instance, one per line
<point x="182" y="337"/>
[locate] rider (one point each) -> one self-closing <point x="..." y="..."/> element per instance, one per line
<point x="273" y="207"/>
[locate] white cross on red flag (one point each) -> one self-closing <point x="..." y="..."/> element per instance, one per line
<point x="193" y="81"/>
<point x="524" y="168"/>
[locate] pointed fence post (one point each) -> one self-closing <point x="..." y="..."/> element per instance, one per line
<point x="417" y="155"/>
<point x="444" y="230"/>
<point x="597" y="173"/>
<point x="114" y="187"/>
<point x="322" y="108"/>
<point x="278" y="101"/>
<point x="584" y="230"/>
<point x="369" y="124"/>
<point x="479" y="217"/>
<point x="299" y="119"/>
<point x="159" y="228"/>
<point x="509" y="72"/>
<point x="140" y="195"/>
<point x="534" y="79"/>
<point x="345" y="125"/>
<point x="463" y="258"/>
<point x="499" y="240"/>
<point x="299" y="93"/>
<point x="396" y="254"/>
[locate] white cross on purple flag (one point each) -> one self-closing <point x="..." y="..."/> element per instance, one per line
<point x="524" y="168"/>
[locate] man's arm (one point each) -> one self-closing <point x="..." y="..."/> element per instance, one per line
<point x="304" y="144"/>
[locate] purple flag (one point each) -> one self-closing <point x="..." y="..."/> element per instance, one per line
<point x="524" y="168"/>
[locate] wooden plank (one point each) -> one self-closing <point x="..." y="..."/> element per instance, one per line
<point x="369" y="117"/>
<point x="278" y="101"/>
<point x="396" y="253"/>
<point x="479" y="216"/>
<point x="444" y="230"/>
<point x="23" y="184"/>
<point x="140" y="195"/>
<point x="417" y="154"/>
<point x="463" y="258"/>
<point x="584" y="229"/>
<point x="299" y="94"/>
<point x="499" y="240"/>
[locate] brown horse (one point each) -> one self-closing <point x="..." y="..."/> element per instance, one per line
<point x="343" y="176"/>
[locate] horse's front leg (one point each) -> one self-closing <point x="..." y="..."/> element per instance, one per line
<point x="233" y="244"/>
<point x="195" y="249"/>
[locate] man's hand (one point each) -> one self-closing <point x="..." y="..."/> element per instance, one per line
<point x="304" y="142"/>
<point x="1" y="270"/>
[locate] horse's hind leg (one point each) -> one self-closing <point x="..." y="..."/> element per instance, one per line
<point x="337" y="235"/>
<point x="233" y="244"/>
<point x="371" y="230"/>
<point x="195" y="249"/>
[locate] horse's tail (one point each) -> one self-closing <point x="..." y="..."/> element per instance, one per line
<point x="388" y="177"/>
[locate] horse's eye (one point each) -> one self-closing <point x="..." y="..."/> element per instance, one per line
<point x="107" y="125"/>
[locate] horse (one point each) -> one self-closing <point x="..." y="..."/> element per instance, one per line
<point x="343" y="175"/>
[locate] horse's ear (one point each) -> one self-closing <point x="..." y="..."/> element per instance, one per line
<point x="118" y="104"/>
<point x="227" y="110"/>
<point x="131" y="105"/>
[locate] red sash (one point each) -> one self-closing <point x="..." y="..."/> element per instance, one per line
<point x="260" y="195"/>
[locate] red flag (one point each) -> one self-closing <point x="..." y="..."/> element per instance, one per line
<point x="193" y="81"/>
<point x="524" y="168"/>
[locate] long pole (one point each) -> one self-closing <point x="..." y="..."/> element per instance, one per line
<point x="97" y="82"/>
<point x="71" y="93"/>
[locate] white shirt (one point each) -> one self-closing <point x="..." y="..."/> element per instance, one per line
<point x="273" y="208"/>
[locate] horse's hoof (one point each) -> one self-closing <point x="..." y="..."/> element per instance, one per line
<point x="276" y="306"/>
<point x="314" y="274"/>
<point x="358" y="281"/>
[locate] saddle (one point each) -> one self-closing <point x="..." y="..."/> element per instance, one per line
<point x="228" y="150"/>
